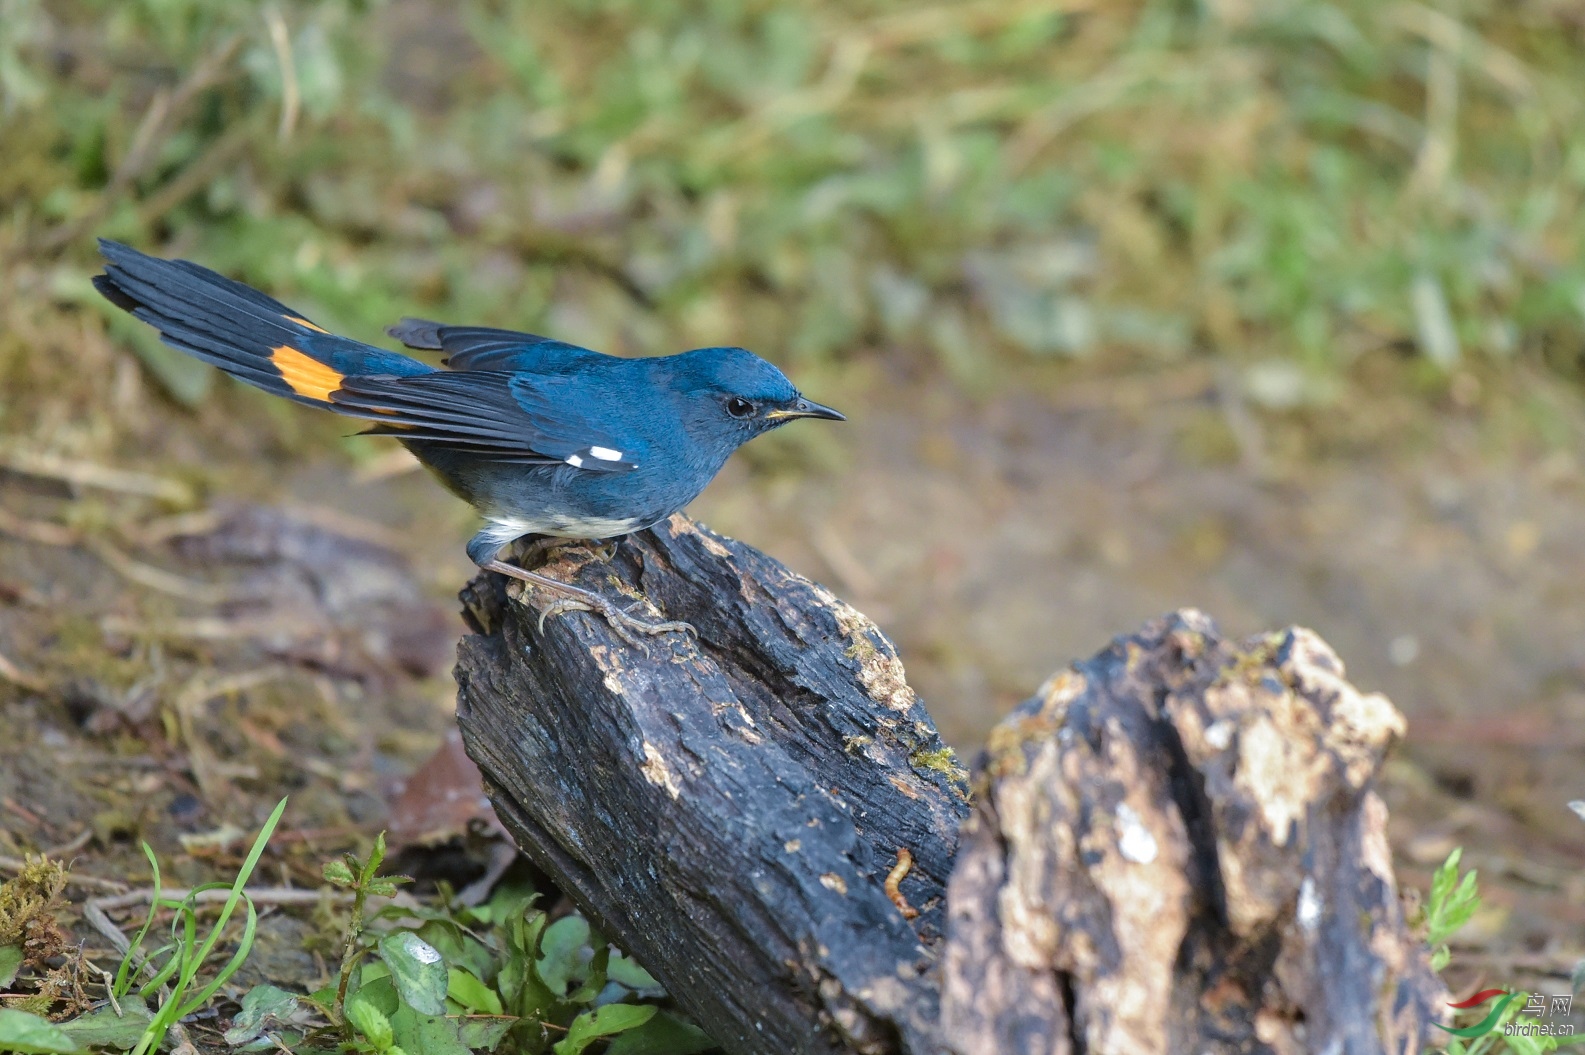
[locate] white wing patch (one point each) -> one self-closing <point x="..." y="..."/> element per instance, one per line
<point x="604" y="454"/>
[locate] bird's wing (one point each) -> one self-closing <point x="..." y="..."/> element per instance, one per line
<point x="494" y="414"/>
<point x="481" y="348"/>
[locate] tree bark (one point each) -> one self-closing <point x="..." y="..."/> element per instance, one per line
<point x="1175" y="845"/>
<point x="727" y="808"/>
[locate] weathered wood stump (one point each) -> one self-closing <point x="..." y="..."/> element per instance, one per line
<point x="727" y="808"/>
<point x="1175" y="846"/>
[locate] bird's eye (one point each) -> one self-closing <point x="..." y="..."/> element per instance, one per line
<point x="739" y="407"/>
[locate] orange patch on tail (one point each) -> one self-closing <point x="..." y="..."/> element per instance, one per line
<point x="305" y="322"/>
<point x="305" y="375"/>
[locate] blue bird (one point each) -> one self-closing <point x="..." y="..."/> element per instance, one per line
<point x="542" y="438"/>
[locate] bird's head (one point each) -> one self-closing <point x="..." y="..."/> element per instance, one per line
<point x="731" y="392"/>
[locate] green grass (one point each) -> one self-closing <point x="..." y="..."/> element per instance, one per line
<point x="175" y="980"/>
<point x="965" y="182"/>
<point x="430" y="977"/>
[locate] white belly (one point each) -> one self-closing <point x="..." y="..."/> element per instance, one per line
<point x="505" y="529"/>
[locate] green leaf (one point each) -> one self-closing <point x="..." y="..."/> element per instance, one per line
<point x="263" y="1006"/>
<point x="378" y="993"/>
<point x="323" y="998"/>
<point x="1520" y="1044"/>
<point x="627" y="972"/>
<point x="418" y="971"/>
<point x="428" y="1034"/>
<point x="338" y="874"/>
<point x="594" y="980"/>
<point x="518" y="982"/>
<point x="28" y="1034"/>
<point x="471" y="993"/>
<point x="484" y="1032"/>
<point x="1452" y="901"/>
<point x="562" y="952"/>
<point x="602" y="1022"/>
<point x="372" y="1023"/>
<point x="509" y="899"/>
<point x="376" y="858"/>
<point x="106" y="1029"/>
<point x="459" y="949"/>
<point x="10" y="962"/>
<point x="664" y="1034"/>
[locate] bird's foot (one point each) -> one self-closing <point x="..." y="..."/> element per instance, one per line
<point x="624" y="623"/>
<point x="578" y="599"/>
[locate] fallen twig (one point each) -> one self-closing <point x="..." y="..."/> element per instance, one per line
<point x="52" y="466"/>
<point x="9" y="671"/>
<point x="158" y="578"/>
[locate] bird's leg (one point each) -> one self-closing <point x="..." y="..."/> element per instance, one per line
<point x="579" y="599"/>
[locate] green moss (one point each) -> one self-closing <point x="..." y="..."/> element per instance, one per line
<point x="28" y="901"/>
<point x="862" y="648"/>
<point x="1254" y="663"/>
<point x="941" y="760"/>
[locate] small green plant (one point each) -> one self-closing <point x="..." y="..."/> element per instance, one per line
<point x="450" y="979"/>
<point x="360" y="878"/>
<point x="1450" y="905"/>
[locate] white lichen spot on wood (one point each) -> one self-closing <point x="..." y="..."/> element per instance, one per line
<point x="1309" y="909"/>
<point x="792" y="846"/>
<point x="657" y="772"/>
<point x="1220" y="734"/>
<point x="1134" y="840"/>
<point x="832" y="881"/>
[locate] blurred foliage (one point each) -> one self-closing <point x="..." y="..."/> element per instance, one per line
<point x="1290" y="184"/>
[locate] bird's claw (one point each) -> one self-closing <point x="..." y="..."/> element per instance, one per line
<point x="584" y="600"/>
<point x="619" y="619"/>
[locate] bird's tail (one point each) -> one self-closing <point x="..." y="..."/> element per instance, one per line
<point x="250" y="336"/>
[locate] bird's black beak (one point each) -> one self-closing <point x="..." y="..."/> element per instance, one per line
<point x="805" y="408"/>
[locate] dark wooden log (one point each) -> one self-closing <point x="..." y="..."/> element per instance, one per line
<point x="727" y="808"/>
<point x="1176" y="847"/>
